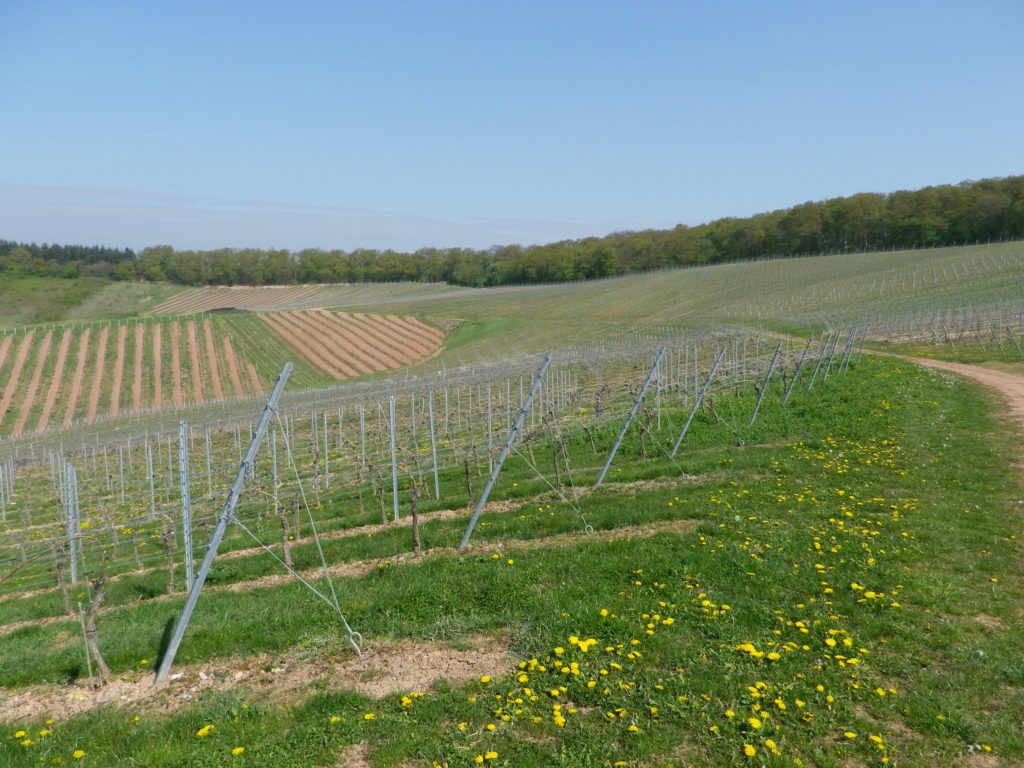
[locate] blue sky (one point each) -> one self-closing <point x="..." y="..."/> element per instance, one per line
<point x="378" y="124"/>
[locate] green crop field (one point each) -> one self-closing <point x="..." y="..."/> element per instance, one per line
<point x="826" y="573"/>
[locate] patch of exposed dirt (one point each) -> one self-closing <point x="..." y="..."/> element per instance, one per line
<point x="382" y="669"/>
<point x="354" y="756"/>
<point x="989" y="622"/>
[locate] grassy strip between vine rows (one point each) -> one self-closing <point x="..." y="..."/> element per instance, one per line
<point x="851" y="597"/>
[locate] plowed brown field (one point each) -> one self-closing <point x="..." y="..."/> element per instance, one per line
<point x="345" y="345"/>
<point x="52" y="378"/>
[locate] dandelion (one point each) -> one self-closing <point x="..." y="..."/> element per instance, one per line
<point x="369" y="716"/>
<point x="237" y="751"/>
<point x="334" y="719"/>
<point x="748" y="750"/>
<point x="78" y="754"/>
<point x="203" y="732"/>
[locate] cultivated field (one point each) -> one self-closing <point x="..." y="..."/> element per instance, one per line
<point x="268" y="297"/>
<point x="59" y="376"/>
<point x="345" y="346"/>
<point x="62" y="375"/>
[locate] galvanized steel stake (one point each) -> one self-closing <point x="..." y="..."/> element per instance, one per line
<point x="222" y="524"/>
<point x="764" y="386"/>
<point x="700" y="398"/>
<point x="632" y="414"/>
<point x="186" y="503"/>
<point x="520" y="417"/>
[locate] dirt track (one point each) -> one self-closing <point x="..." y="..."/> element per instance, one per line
<point x="1009" y="385"/>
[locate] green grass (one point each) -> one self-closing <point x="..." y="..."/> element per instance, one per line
<point x="122" y="299"/>
<point x="885" y="514"/>
<point x="31" y="300"/>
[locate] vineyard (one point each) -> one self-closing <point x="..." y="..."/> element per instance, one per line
<point x="65" y="375"/>
<point x="604" y="523"/>
<point x="346" y="346"/>
<point x="447" y="428"/>
<point x="963" y="293"/>
<point x="268" y="297"/>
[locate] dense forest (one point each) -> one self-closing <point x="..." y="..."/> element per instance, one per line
<point x="972" y="211"/>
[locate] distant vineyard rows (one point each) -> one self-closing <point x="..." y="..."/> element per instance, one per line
<point x="57" y="376"/>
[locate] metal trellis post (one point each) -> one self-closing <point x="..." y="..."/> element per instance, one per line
<point x="516" y="426"/>
<point x="764" y="386"/>
<point x="186" y="503"/>
<point x="394" y="454"/>
<point x="699" y="400"/>
<point x="222" y="524"/>
<point x="632" y="414"/>
<point x="796" y="371"/>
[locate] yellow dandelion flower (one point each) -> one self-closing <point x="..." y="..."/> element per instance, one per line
<point x="237" y="751"/>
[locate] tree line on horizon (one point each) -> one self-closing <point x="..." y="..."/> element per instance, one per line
<point x="969" y="212"/>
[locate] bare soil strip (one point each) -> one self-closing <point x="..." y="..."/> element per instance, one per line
<point x="345" y="342"/>
<point x="382" y="669"/>
<point x="56" y="380"/>
<point x="76" y="378"/>
<point x="5" y="347"/>
<point x="347" y="345"/>
<point x="33" y="386"/>
<point x="324" y="337"/>
<point x="211" y="355"/>
<point x="431" y="335"/>
<point x="413" y="330"/>
<point x="140" y="338"/>
<point x="12" y="382"/>
<point x="177" y="395"/>
<point x="374" y="333"/>
<point x="232" y="360"/>
<point x="100" y="371"/>
<point x="298" y="339"/>
<point x="364" y="339"/>
<point x="158" y="360"/>
<point x="254" y="378"/>
<point x="304" y="340"/>
<point x="408" y="336"/>
<point x="349" y="340"/>
<point x="197" y="368"/>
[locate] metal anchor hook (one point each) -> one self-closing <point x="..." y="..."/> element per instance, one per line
<point x="354" y="639"/>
